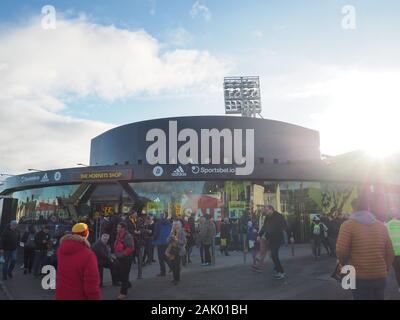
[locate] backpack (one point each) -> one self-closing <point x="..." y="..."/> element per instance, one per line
<point x="317" y="230"/>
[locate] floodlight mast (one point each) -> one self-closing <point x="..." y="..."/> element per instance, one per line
<point x="242" y="96"/>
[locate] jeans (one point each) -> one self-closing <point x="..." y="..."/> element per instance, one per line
<point x="235" y="242"/>
<point x="29" y="256"/>
<point x="369" y="289"/>
<point x="189" y="252"/>
<point x="325" y="243"/>
<point x="275" y="257"/>
<point x="113" y="269"/>
<point x="139" y="254"/>
<point x="317" y="246"/>
<point x="39" y="261"/>
<point x="10" y="257"/>
<point x="332" y="245"/>
<point x="285" y="239"/>
<point x="161" y="257"/>
<point x="148" y="253"/>
<point x="124" y="268"/>
<point x="207" y="254"/>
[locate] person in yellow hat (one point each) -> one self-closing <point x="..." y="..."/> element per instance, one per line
<point x="77" y="273"/>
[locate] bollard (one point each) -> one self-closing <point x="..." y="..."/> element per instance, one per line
<point x="292" y="245"/>
<point x="213" y="252"/>
<point x="245" y="249"/>
<point x="139" y="256"/>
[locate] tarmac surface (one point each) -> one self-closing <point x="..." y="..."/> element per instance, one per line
<point x="230" y="279"/>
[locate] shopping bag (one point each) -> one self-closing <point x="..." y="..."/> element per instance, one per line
<point x="337" y="275"/>
<point x="223" y="242"/>
<point x="251" y="244"/>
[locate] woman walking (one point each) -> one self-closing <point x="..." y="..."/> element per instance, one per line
<point x="176" y="250"/>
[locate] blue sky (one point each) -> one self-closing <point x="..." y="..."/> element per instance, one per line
<point x="305" y="59"/>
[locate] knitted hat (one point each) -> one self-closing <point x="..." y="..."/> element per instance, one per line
<point x="81" y="229"/>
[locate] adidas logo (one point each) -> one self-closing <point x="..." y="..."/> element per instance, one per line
<point x="45" y="178"/>
<point x="179" y="172"/>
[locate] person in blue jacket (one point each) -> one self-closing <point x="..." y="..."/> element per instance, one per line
<point x="162" y="230"/>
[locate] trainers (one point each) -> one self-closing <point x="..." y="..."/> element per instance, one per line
<point x="122" y="297"/>
<point x="256" y="268"/>
<point x="279" y="276"/>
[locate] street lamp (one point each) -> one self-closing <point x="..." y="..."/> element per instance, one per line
<point x="35" y="170"/>
<point x="82" y="164"/>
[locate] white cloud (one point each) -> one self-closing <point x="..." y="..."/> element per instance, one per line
<point x="198" y="9"/>
<point x="39" y="68"/>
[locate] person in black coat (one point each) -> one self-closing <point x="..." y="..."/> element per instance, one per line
<point x="104" y="258"/>
<point x="225" y="236"/>
<point x="42" y="245"/>
<point x="28" y="239"/>
<point x="274" y="226"/>
<point x="8" y="248"/>
<point x="135" y="226"/>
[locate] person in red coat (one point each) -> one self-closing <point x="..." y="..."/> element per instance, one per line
<point x="77" y="273"/>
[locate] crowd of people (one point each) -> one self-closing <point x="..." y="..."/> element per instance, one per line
<point x="358" y="239"/>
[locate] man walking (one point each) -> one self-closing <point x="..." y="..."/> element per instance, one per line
<point x="162" y="230"/>
<point x="274" y="226"/>
<point x="42" y="243"/>
<point x="207" y="234"/>
<point x="318" y="236"/>
<point x="8" y="246"/>
<point x="364" y="243"/>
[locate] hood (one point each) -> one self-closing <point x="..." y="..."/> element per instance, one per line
<point x="363" y="217"/>
<point x="72" y="243"/>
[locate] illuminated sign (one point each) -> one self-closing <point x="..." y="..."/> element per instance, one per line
<point x="109" y="175"/>
<point x="236" y="209"/>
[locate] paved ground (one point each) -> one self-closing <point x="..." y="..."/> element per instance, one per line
<point x="231" y="278"/>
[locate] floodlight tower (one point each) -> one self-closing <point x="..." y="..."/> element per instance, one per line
<point x="242" y="96"/>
